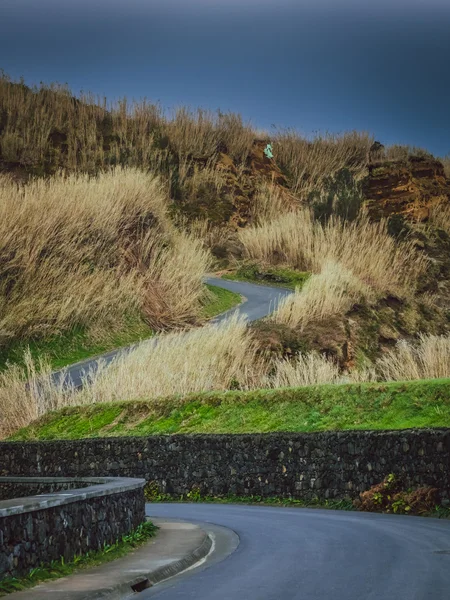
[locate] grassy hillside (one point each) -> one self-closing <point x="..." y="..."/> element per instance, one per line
<point x="77" y="345"/>
<point x="396" y="405"/>
<point x="111" y="214"/>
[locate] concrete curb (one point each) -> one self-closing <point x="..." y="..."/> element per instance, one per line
<point x="178" y="546"/>
<point x="156" y="575"/>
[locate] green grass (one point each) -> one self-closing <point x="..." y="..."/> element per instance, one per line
<point x="76" y="345"/>
<point x="394" y="405"/>
<point x="220" y="301"/>
<point x="60" y="568"/>
<point x="276" y="276"/>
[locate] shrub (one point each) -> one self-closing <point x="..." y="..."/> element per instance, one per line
<point x="341" y="196"/>
<point x="389" y="497"/>
<point x="106" y="247"/>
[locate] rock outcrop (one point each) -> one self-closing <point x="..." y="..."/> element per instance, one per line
<point x="409" y="188"/>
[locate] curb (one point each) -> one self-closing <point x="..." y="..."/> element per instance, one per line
<point x="93" y="584"/>
<point x="162" y="573"/>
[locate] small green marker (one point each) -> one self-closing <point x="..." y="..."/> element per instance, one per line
<point x="268" y="151"/>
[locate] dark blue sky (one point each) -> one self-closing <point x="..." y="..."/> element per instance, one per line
<point x="316" y="65"/>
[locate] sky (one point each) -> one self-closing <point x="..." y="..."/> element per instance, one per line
<point x="313" y="65"/>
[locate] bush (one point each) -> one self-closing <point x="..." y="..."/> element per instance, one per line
<point x="389" y="497"/>
<point x="341" y="196"/>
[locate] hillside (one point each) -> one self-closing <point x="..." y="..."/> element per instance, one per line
<point x="111" y="215"/>
<point x="320" y="408"/>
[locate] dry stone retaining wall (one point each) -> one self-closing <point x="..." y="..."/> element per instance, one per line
<point x="300" y="465"/>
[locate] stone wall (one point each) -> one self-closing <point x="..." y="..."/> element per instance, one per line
<point x="301" y="465"/>
<point x="18" y="489"/>
<point x="42" y="528"/>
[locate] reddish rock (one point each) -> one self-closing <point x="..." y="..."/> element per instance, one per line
<point x="409" y="188"/>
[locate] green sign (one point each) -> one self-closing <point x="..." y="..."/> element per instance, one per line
<point x="268" y="151"/>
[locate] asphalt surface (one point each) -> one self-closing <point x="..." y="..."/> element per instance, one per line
<point x="313" y="554"/>
<point x="259" y="301"/>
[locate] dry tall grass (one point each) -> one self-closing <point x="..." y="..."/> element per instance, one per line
<point x="45" y="128"/>
<point x="446" y="163"/>
<point x="440" y="217"/>
<point x="398" y="152"/>
<point x="307" y="162"/>
<point x="76" y="250"/>
<point x="270" y="202"/>
<point x="429" y="358"/>
<point x="214" y="357"/>
<point x="363" y="248"/>
<point x="26" y="395"/>
<point x="330" y="293"/>
<point x="305" y="369"/>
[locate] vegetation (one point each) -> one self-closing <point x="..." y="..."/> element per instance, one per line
<point x="393" y="405"/>
<point x="390" y="497"/>
<point x="277" y="276"/>
<point x="362" y="247"/>
<point x="110" y="216"/>
<point x="215" y="357"/>
<point x="74" y="346"/>
<point x="60" y="568"/>
<point x="422" y="501"/>
<point x="77" y="345"/>
<point x="340" y="196"/>
<point x="219" y="301"/>
<point x="152" y="494"/>
<point x="106" y="248"/>
<point x="446" y="163"/>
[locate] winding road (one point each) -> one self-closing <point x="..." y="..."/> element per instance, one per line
<point x="313" y="554"/>
<point x="301" y="554"/>
<point x="259" y="301"/>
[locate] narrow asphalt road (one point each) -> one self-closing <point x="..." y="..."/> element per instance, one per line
<point x="259" y="301"/>
<point x="312" y="554"/>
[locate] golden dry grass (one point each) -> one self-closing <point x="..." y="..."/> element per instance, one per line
<point x="305" y="369"/>
<point x="446" y="163"/>
<point x="270" y="202"/>
<point x="361" y="247"/>
<point x="47" y="128"/>
<point x="440" y="217"/>
<point x="331" y="292"/>
<point x="307" y="162"/>
<point x="214" y="357"/>
<point x="429" y="358"/>
<point x="26" y="395"/>
<point x="75" y="250"/>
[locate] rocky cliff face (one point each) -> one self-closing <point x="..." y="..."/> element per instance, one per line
<point x="409" y="188"/>
<point x="241" y="184"/>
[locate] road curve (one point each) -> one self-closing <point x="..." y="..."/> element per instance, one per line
<point x="259" y="301"/>
<point x="312" y="554"/>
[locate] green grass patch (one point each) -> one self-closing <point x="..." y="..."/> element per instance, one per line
<point x="60" y="568"/>
<point x="394" y="405"/>
<point x="76" y="345"/>
<point x="219" y="301"/>
<point x="276" y="276"/>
